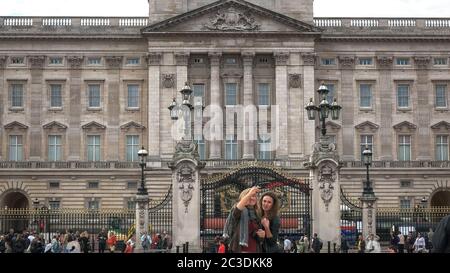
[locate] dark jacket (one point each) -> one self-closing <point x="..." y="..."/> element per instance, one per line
<point x="235" y="235"/>
<point x="441" y="237"/>
<point x="270" y="245"/>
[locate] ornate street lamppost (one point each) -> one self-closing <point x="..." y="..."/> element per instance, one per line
<point x="183" y="110"/>
<point x="142" y="153"/>
<point x="367" y="159"/>
<point x="323" y="109"/>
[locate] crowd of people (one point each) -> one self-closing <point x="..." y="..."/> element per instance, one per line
<point x="30" y="241"/>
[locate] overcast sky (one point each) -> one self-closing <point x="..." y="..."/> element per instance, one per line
<point x="322" y="8"/>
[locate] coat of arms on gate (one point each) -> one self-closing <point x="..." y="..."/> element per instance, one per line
<point x="327" y="177"/>
<point x="185" y="177"/>
<point x="231" y="19"/>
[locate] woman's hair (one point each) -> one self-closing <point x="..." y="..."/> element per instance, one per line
<point x="244" y="193"/>
<point x="275" y="206"/>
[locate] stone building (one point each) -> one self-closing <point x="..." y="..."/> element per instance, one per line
<point x="79" y="96"/>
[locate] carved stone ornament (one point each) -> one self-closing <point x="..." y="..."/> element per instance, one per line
<point x="327" y="177"/>
<point x="168" y="80"/>
<point x="75" y="62"/>
<point x="309" y="58"/>
<point x="186" y="179"/>
<point x="295" y="80"/>
<point x="182" y="58"/>
<point x="154" y="58"/>
<point x="37" y="61"/>
<point x="114" y="61"/>
<point x="347" y="62"/>
<point x="422" y="62"/>
<point x="281" y="58"/>
<point x="2" y="61"/>
<point x="231" y="19"/>
<point x="385" y="62"/>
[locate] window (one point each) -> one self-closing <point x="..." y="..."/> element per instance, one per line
<point x="133" y="95"/>
<point x="405" y="184"/>
<point x="230" y="61"/>
<point x="440" y="61"/>
<point x="231" y="94"/>
<point x="132" y="148"/>
<point x="442" y="147"/>
<point x="404" y="147"/>
<point x="54" y="204"/>
<point x="199" y="94"/>
<point x="133" y="61"/>
<point x="365" y="95"/>
<point x="94" y="61"/>
<point x="131" y="185"/>
<point x="328" y="61"/>
<point x="93" y="185"/>
<point x="94" y="95"/>
<point x="54" y="148"/>
<point x="131" y="204"/>
<point x="263" y="60"/>
<point x="264" y="148"/>
<point x="231" y="148"/>
<point x="330" y="96"/>
<point x="93" y="148"/>
<point x="201" y="148"/>
<point x="402" y="61"/>
<point x="403" y="95"/>
<point x="17" y="60"/>
<point x="53" y="185"/>
<point x="365" y="61"/>
<point x="405" y="204"/>
<point x="366" y="140"/>
<point x="56" y="60"/>
<point x="93" y="204"/>
<point x="198" y="60"/>
<point x="15" y="148"/>
<point x="441" y="95"/>
<point x="263" y="94"/>
<point x="17" y="95"/>
<point x="55" y="95"/>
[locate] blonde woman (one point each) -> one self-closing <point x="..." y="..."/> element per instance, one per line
<point x="242" y="228"/>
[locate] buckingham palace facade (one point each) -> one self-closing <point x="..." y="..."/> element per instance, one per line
<point x="79" y="96"/>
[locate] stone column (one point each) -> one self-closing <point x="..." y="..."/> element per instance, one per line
<point x="186" y="196"/>
<point x="37" y="65"/>
<point x="154" y="62"/>
<point x="386" y="101"/>
<point x="113" y="111"/>
<point x="347" y="64"/>
<point x="214" y="58"/>
<point x="250" y="130"/>
<point x="369" y="213"/>
<point x="2" y="106"/>
<point x="141" y="219"/>
<point x="324" y="169"/>
<point x="422" y="116"/>
<point x="281" y="59"/>
<point x="74" y="93"/>
<point x="308" y="135"/>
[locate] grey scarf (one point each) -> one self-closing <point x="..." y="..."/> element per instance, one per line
<point x="247" y="215"/>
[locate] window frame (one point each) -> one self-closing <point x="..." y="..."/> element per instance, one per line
<point x="135" y="157"/>
<point x="18" y="146"/>
<point x="88" y="136"/>
<point x="397" y="86"/>
<point x="442" y="145"/>
<point x="400" y="144"/>
<point x="436" y="85"/>
<point x="371" y="97"/>
<point x="61" y="152"/>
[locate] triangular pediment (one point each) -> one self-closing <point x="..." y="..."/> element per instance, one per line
<point x="331" y="125"/>
<point x="54" y="124"/>
<point x="367" y="125"/>
<point x="93" y="125"/>
<point x="132" y="124"/>
<point x="16" y="124"/>
<point x="231" y="16"/>
<point x="442" y="124"/>
<point x="405" y="124"/>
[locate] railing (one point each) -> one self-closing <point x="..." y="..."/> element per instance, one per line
<point x="32" y="21"/>
<point x="406" y="23"/>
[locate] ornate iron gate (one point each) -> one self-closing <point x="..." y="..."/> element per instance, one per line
<point x="351" y="218"/>
<point x="219" y="194"/>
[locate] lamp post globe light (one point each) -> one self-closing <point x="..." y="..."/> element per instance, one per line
<point x="367" y="159"/>
<point x="323" y="109"/>
<point x="142" y="153"/>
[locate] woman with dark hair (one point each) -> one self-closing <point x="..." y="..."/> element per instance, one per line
<point x="242" y="227"/>
<point x="269" y="205"/>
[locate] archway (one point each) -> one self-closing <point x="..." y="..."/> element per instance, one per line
<point x="13" y="215"/>
<point x="441" y="199"/>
